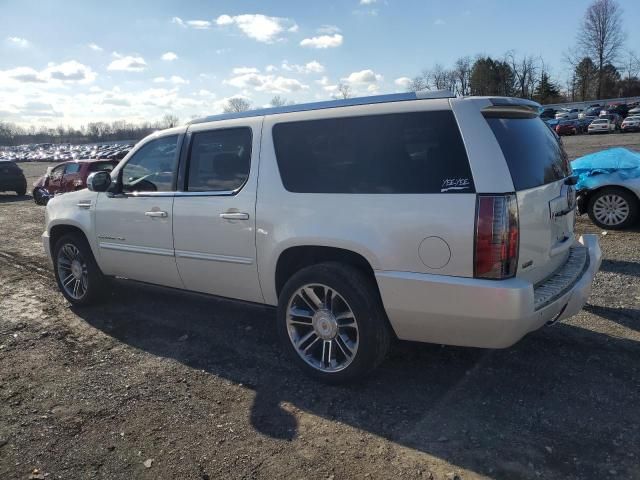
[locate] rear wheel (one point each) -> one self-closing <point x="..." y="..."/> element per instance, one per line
<point x="77" y="273"/>
<point x="331" y="322"/>
<point x="613" y="208"/>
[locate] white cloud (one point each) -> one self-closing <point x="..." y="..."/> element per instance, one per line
<point x="328" y="29"/>
<point x="323" y="81"/>
<point x="18" y="42"/>
<point x="127" y="63"/>
<point x="94" y="47"/>
<point x="243" y="70"/>
<point x="323" y="41"/>
<point x="169" y="56"/>
<point x="367" y="2"/>
<point x="266" y="83"/>
<point x="310" y="67"/>
<point x="259" y="27"/>
<point x="403" y="82"/>
<point x="271" y="68"/>
<point x="362" y="77"/>
<point x="439" y="21"/>
<point x="54" y="75"/>
<point x="175" y="79"/>
<point x="196" y="24"/>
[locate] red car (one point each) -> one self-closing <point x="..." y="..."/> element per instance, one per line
<point x="67" y="177"/>
<point x="567" y="127"/>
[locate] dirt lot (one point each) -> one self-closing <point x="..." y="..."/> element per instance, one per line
<point x="162" y="384"/>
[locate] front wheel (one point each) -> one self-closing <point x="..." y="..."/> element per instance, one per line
<point x="78" y="276"/>
<point x="332" y="323"/>
<point x="613" y="208"/>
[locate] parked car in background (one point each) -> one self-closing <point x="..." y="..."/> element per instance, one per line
<point x="67" y="177"/>
<point x="567" y="113"/>
<point x="614" y="118"/>
<point x="631" y="124"/>
<point x="601" y="125"/>
<point x="590" y="112"/>
<point x="12" y="178"/>
<point x="568" y="127"/>
<point x="619" y="109"/>
<point x="548" y="113"/>
<point x="420" y="216"/>
<point x="585" y="122"/>
<point x="634" y="111"/>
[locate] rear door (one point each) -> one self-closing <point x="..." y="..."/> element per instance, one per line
<point x="538" y="166"/>
<point x="214" y="216"/>
<point x="71" y="177"/>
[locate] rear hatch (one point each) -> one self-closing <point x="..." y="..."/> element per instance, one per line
<point x="539" y="168"/>
<point x="10" y="172"/>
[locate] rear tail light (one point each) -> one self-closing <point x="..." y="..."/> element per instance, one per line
<point x="497" y="236"/>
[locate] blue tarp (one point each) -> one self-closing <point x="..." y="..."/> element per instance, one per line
<point x="606" y="167"/>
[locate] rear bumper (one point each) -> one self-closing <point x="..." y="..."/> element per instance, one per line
<point x="480" y="313"/>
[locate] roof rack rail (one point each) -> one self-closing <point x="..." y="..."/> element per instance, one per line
<point x="348" y="102"/>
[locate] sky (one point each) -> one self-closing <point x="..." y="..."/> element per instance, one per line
<point x="72" y="62"/>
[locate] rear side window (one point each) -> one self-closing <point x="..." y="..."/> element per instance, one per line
<point x="418" y="152"/>
<point x="531" y="150"/>
<point x="219" y="160"/>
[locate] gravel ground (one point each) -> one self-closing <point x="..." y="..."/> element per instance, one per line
<point x="162" y="384"/>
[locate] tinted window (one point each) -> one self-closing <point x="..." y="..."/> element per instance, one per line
<point x="219" y="160"/>
<point x="153" y="167"/>
<point x="101" y="166"/>
<point x="57" y="172"/>
<point x="420" y="152"/>
<point x="72" y="168"/>
<point x="531" y="150"/>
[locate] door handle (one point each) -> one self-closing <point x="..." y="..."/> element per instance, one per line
<point x="156" y="213"/>
<point x="234" y="216"/>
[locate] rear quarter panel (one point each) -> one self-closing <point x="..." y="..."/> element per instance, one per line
<point x="386" y="229"/>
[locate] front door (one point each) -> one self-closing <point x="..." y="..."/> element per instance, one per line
<point x="134" y="221"/>
<point x="71" y="177"/>
<point x="214" y="216"/>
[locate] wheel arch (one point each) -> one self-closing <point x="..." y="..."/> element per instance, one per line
<point x="297" y="257"/>
<point x="57" y="231"/>
<point x="590" y="193"/>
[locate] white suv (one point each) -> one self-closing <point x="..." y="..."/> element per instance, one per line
<point x="419" y="216"/>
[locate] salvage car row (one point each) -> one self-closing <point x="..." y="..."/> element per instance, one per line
<point x="48" y="152"/>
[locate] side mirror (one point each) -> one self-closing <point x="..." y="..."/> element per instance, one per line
<point x="99" y="181"/>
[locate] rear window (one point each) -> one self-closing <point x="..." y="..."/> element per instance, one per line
<point x="531" y="150"/>
<point x="418" y="152"/>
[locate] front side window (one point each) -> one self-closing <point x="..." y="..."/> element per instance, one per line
<point x="72" y="168"/>
<point x="153" y="167"/>
<point x="219" y="160"/>
<point x="417" y="152"/>
<point x="56" y="173"/>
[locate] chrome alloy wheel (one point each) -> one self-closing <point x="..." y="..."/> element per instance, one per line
<point x="72" y="271"/>
<point x="322" y="328"/>
<point x="611" y="209"/>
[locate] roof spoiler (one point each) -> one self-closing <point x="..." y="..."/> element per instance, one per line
<point x="507" y="107"/>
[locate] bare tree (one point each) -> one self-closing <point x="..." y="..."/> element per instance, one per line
<point x="278" y="101"/>
<point x="601" y="36"/>
<point x="462" y="74"/>
<point x="344" y="91"/>
<point x="440" y="77"/>
<point x="169" y="121"/>
<point x="419" y="82"/>
<point x="525" y="70"/>
<point x="631" y="64"/>
<point x="237" y="104"/>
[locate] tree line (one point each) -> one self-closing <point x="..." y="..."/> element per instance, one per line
<point x="599" y="65"/>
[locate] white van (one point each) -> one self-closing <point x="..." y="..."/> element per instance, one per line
<point x="420" y="216"/>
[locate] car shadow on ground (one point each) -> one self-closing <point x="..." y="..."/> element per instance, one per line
<point x="621" y="266"/>
<point x="9" y="198"/>
<point x="554" y="401"/>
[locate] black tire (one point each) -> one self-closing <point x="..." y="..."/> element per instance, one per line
<point x="39" y="196"/>
<point x="22" y="191"/>
<point x="362" y="297"/>
<point x="96" y="282"/>
<point x="631" y="200"/>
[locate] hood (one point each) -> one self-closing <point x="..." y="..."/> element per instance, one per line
<point x="603" y="168"/>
